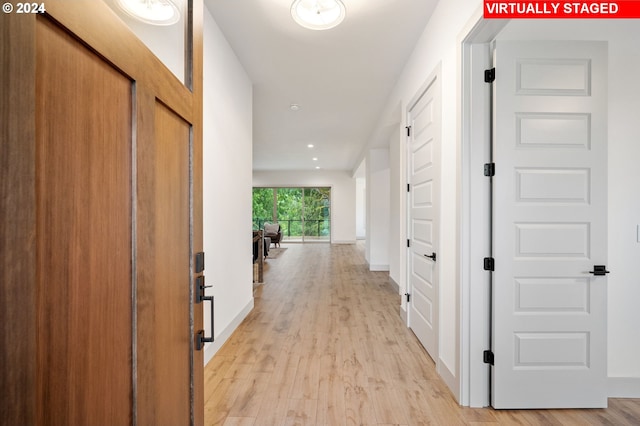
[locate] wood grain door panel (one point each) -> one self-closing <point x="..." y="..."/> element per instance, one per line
<point x="163" y="282"/>
<point x="101" y="213"/>
<point x="83" y="151"/>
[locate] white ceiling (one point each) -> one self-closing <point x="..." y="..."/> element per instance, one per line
<point x="340" y="77"/>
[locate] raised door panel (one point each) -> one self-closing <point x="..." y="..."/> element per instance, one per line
<point x="83" y="176"/>
<point x="163" y="283"/>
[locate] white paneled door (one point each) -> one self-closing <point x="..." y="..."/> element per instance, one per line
<point x="424" y="176"/>
<point x="550" y="225"/>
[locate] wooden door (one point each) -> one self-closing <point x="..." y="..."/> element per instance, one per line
<point x="101" y="217"/>
<point x="550" y="225"/>
<point x="424" y="177"/>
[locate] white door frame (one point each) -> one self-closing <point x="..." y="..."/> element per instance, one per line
<point x="473" y="218"/>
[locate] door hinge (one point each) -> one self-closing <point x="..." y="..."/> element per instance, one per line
<point x="487" y="357"/>
<point x="408" y="130"/>
<point x="490" y="75"/>
<point x="408" y="297"/>
<point x="490" y="169"/>
<point x="489" y="264"/>
<point x="408" y="187"/>
<point x="408" y="242"/>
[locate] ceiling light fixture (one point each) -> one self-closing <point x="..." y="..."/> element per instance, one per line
<point x="310" y="145"/>
<point x="315" y="158"/>
<point x="294" y="107"/>
<point x="318" y="14"/>
<point x="154" y="12"/>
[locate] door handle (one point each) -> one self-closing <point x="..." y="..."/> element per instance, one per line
<point x="599" y="270"/>
<point x="432" y="256"/>
<point x="201" y="339"/>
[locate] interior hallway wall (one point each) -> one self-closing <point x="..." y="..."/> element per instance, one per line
<point x="343" y="200"/>
<point x="438" y="44"/>
<point x="227" y="184"/>
<point x="397" y="208"/>
<point x="378" y="209"/>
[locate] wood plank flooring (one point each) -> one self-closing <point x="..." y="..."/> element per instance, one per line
<point x="325" y="345"/>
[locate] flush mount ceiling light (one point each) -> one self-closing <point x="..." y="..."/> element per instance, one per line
<point x="318" y="14"/>
<point x="154" y="12"/>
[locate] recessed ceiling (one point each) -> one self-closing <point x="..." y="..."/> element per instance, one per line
<point x="340" y="78"/>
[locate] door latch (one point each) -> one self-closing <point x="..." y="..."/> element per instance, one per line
<point x="599" y="270"/>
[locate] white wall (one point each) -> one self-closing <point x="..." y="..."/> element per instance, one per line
<point x="378" y="211"/>
<point x="397" y="208"/>
<point x="227" y="185"/>
<point x="361" y="208"/>
<point x="624" y="179"/>
<point x="438" y="44"/>
<point x="343" y="191"/>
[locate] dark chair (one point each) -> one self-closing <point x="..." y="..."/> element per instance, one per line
<point x="273" y="231"/>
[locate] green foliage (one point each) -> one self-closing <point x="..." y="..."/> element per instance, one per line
<point x="291" y="213"/>
<point x="262" y="206"/>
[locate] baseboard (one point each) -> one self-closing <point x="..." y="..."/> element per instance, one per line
<point x="211" y="348"/>
<point x="449" y="378"/>
<point x="379" y="268"/>
<point x="624" y="387"/>
<point x="343" y="242"/>
<point x="403" y="315"/>
<point x="394" y="284"/>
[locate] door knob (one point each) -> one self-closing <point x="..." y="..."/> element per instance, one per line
<point x="432" y="256"/>
<point x="599" y="270"/>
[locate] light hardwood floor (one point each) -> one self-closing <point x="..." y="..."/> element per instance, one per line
<point x="325" y="346"/>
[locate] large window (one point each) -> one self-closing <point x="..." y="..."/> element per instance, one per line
<point x="304" y="214"/>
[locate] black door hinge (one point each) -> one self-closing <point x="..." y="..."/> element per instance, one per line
<point x="489" y="264"/>
<point x="490" y="75"/>
<point x="408" y="297"/>
<point x="408" y="130"/>
<point x="490" y="169"/>
<point x="408" y="242"/>
<point x="408" y="187"/>
<point x="487" y="357"/>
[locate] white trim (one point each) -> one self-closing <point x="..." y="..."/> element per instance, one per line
<point x="403" y="313"/>
<point x="448" y="377"/>
<point x="341" y="242"/>
<point x="623" y="387"/>
<point x="211" y="348"/>
<point x="473" y="196"/>
<point x="394" y="284"/>
<point x="379" y="268"/>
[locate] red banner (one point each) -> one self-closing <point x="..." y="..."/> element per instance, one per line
<point x="623" y="9"/>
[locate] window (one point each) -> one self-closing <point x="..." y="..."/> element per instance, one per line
<point x="304" y="214"/>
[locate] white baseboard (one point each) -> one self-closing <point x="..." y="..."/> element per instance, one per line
<point x="211" y="348"/>
<point x="624" y="387"/>
<point x="343" y="242"/>
<point x="449" y="378"/>
<point x="403" y="315"/>
<point x="394" y="284"/>
<point x="379" y="268"/>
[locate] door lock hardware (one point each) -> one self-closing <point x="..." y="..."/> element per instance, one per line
<point x="599" y="270"/>
<point x="432" y="256"/>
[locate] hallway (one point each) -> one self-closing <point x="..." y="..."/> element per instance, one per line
<point x="325" y="345"/>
